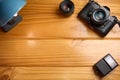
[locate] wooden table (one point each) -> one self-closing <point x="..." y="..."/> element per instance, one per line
<point x="48" y="46"/>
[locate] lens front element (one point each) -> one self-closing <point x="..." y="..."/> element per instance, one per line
<point x="99" y="16"/>
<point x="66" y="7"/>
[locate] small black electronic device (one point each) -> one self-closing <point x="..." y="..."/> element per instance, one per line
<point x="9" y="16"/>
<point x="13" y="22"/>
<point x="98" y="17"/>
<point x="106" y="65"/>
<point x="66" y="7"/>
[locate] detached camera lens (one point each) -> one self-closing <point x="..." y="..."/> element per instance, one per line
<point x="99" y="16"/>
<point x="66" y="7"/>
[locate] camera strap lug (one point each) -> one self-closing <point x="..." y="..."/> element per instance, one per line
<point x="117" y="21"/>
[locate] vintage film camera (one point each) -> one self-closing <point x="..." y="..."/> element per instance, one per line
<point x="98" y="17"/>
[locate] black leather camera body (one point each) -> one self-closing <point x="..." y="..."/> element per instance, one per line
<point x="98" y="17"/>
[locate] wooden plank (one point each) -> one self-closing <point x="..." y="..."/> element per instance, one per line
<point x="61" y="73"/>
<point x="56" y="52"/>
<point x="41" y="19"/>
<point x="6" y="73"/>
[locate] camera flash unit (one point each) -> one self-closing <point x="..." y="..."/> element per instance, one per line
<point x="106" y="65"/>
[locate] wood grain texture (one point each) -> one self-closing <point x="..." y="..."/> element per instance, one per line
<point x="48" y="46"/>
<point x="6" y="73"/>
<point x="42" y="19"/>
<point x="56" y="52"/>
<point x="55" y="73"/>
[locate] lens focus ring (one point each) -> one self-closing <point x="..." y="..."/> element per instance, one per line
<point x="99" y="16"/>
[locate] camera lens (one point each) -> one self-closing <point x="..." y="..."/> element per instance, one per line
<point x="99" y="16"/>
<point x="66" y="7"/>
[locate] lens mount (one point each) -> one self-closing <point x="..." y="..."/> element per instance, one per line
<point x="66" y="7"/>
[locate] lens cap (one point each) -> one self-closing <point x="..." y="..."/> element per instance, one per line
<point x="66" y="7"/>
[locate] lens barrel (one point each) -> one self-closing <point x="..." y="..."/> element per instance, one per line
<point x="66" y="7"/>
<point x="99" y="16"/>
